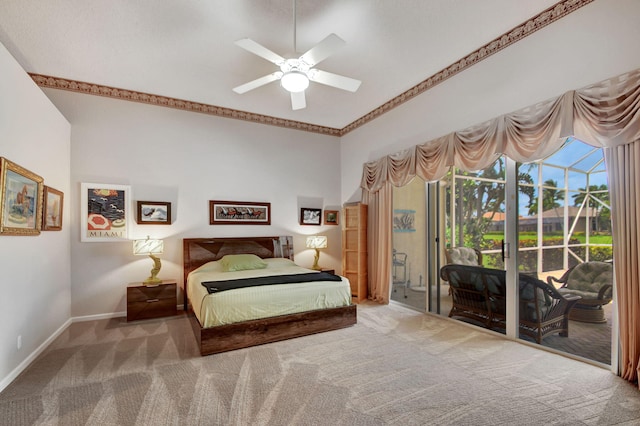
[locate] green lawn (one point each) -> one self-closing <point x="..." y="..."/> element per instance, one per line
<point x="593" y="239"/>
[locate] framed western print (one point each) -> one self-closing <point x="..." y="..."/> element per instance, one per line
<point x="20" y="200"/>
<point x="239" y="213"/>
<point x="104" y="213"/>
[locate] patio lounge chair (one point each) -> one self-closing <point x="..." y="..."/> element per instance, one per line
<point x="593" y="282"/>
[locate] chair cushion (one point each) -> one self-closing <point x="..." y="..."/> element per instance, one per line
<point x="589" y="277"/>
<point x="529" y="292"/>
<point x="463" y="256"/>
<point x="584" y="294"/>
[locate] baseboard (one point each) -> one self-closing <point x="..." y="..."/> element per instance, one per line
<point x="29" y="359"/>
<point x="107" y="316"/>
<point x="99" y="317"/>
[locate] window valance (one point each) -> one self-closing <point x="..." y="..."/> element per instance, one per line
<point x="605" y="114"/>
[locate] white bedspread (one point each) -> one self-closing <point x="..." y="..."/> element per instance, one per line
<point x="243" y="304"/>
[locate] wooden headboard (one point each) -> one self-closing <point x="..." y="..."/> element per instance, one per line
<point x="198" y="251"/>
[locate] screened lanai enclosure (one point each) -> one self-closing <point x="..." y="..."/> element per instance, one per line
<point x="558" y="209"/>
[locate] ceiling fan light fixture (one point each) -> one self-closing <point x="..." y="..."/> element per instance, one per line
<point x="294" y="81"/>
<point x="295" y="75"/>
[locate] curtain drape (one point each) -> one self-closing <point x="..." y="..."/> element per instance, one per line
<point x="623" y="166"/>
<point x="379" y="241"/>
<point x="606" y="114"/>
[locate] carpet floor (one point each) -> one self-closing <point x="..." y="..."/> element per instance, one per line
<point x="396" y="367"/>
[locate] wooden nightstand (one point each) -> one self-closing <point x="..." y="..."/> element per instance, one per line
<point x="331" y="271"/>
<point x="156" y="301"/>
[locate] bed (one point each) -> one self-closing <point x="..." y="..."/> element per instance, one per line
<point x="254" y="315"/>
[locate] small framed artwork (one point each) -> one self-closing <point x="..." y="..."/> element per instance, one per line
<point x="310" y="216"/>
<point x="404" y="220"/>
<point x="331" y="217"/>
<point x="52" y="214"/>
<point x="153" y="213"/>
<point x="20" y="200"/>
<point x="239" y="213"/>
<point x="104" y="212"/>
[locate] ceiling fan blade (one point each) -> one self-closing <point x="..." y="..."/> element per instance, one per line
<point x="260" y="50"/>
<point x="258" y="82"/>
<point x="322" y="50"/>
<point x="334" y="80"/>
<point x="298" y="100"/>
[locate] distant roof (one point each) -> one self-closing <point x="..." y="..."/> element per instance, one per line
<point x="551" y="213"/>
<point x="571" y="210"/>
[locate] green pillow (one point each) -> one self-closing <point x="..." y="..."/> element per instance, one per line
<point x="241" y="262"/>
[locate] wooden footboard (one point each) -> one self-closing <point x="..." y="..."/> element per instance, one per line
<point x="256" y="332"/>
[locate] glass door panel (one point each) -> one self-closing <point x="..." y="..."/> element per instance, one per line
<point x="474" y="213"/>
<point x="410" y="265"/>
<point x="564" y="221"/>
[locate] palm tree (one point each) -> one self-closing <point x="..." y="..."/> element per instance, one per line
<point x="550" y="197"/>
<point x="476" y="198"/>
<point x="525" y="182"/>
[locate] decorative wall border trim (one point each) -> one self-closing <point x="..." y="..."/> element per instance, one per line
<point x="516" y="34"/>
<point x="147" y="98"/>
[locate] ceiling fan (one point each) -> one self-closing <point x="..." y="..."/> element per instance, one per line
<point x="295" y="74"/>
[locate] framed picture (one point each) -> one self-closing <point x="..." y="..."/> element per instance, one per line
<point x="20" y="200"/>
<point x="52" y="214"/>
<point x="104" y="212"/>
<point x="404" y="220"/>
<point x="331" y="217"/>
<point x="153" y="213"/>
<point x="239" y="213"/>
<point x="310" y="216"/>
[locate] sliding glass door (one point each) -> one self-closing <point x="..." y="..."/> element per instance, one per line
<point x="473" y="206"/>
<point x="534" y="221"/>
<point x="464" y="210"/>
<point x="564" y="224"/>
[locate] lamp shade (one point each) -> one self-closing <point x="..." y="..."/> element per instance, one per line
<point x="317" y="241"/>
<point x="147" y="247"/>
<point x="294" y="81"/>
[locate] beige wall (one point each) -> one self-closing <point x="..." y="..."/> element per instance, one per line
<point x="187" y="159"/>
<point x="34" y="270"/>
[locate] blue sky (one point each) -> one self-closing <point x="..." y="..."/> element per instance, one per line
<point x="580" y="158"/>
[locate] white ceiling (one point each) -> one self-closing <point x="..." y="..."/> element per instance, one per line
<point x="185" y="49"/>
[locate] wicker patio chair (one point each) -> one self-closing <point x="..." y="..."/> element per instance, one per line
<point x="593" y="281"/>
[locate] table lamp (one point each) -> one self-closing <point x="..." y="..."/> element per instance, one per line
<point x="316" y="242"/>
<point x="151" y="248"/>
